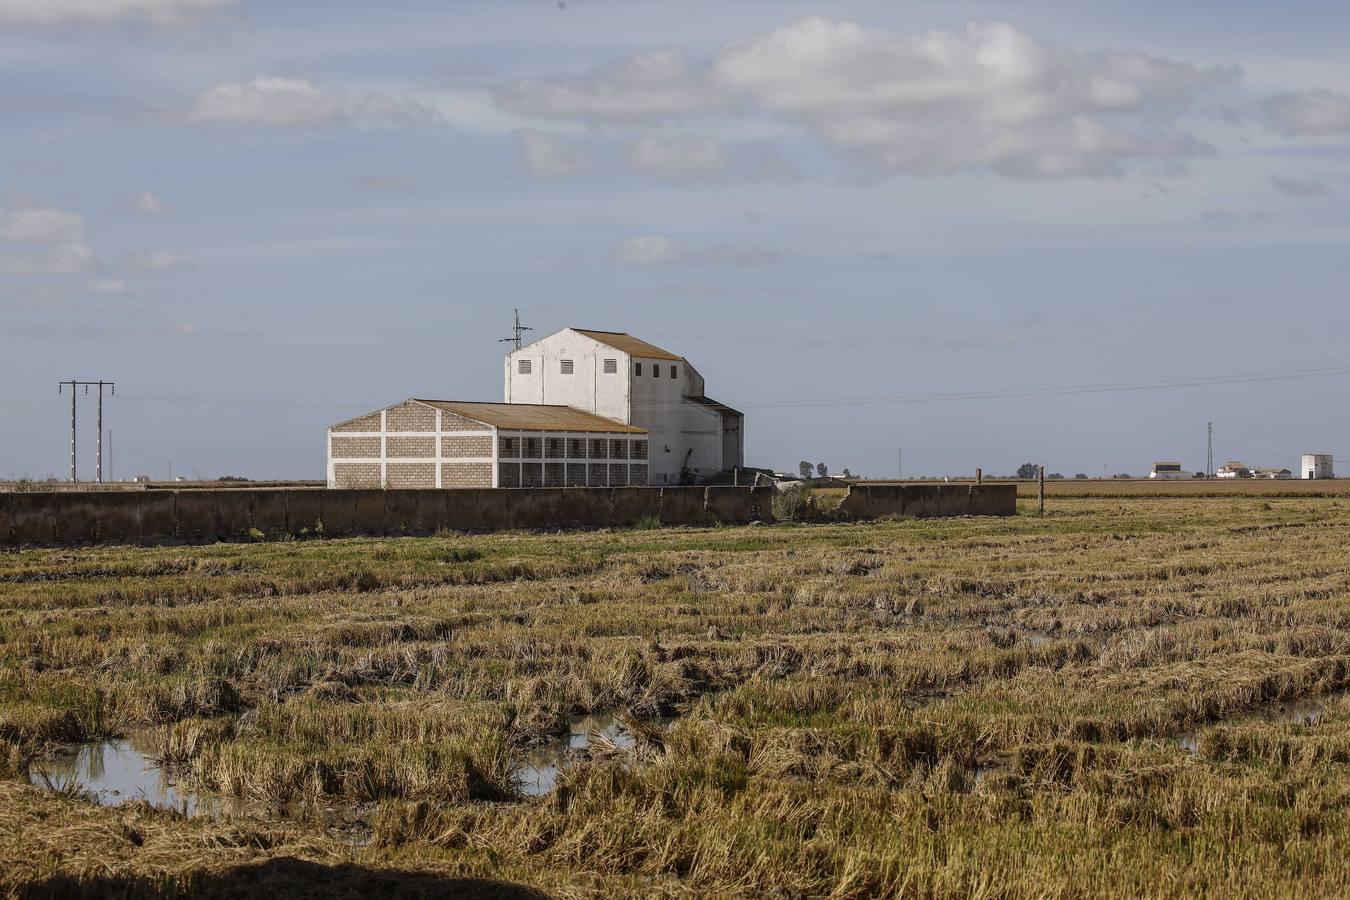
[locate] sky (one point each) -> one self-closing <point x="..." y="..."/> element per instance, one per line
<point x="920" y="235"/>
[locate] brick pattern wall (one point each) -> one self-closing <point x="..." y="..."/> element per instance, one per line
<point x="637" y="475"/>
<point x="618" y="475"/>
<point x="411" y="475"/>
<point x="356" y="447"/>
<point x="576" y="475"/>
<point x="365" y="423"/>
<point x="639" y="451"/>
<point x="410" y="447"/>
<point x="508" y="474"/>
<point x="452" y="422"/>
<point x="554" y="475"/>
<point x="618" y="449"/>
<point x="598" y="474"/>
<point x="478" y="446"/>
<point x="531" y="474"/>
<point x="357" y="475"/>
<point x="508" y="448"/>
<point x="410" y="416"/>
<point x="466" y="475"/>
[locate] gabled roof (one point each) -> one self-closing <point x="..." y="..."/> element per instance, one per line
<point x="533" y="417"/>
<point x="626" y="343"/>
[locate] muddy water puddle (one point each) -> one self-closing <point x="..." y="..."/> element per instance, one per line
<point x="121" y="771"/>
<point x="1305" y="712"/>
<point x="126" y="770"/>
<point x="539" y="770"/>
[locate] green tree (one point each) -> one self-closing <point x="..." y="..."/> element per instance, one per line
<point x="804" y="468"/>
<point x="822" y="470"/>
<point x="1027" y="470"/>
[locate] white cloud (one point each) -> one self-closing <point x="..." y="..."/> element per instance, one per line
<point x="160" y="13"/>
<point x="647" y="251"/>
<point x="1309" y="113"/>
<point x="59" y="259"/>
<point x="109" y="287"/>
<point x="1301" y="187"/>
<point x="55" y="239"/>
<point x="543" y="154"/>
<point x="678" y="158"/>
<point x="641" y="88"/>
<point x="41" y="225"/>
<point x="159" y="261"/>
<point x="987" y="97"/>
<point x="654" y="250"/>
<point x="147" y="204"/>
<point x="272" y="100"/>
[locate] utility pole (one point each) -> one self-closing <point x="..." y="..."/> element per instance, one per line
<point x="1209" y="454"/>
<point x="1040" y="488"/>
<point x="517" y="330"/>
<point x="73" y="384"/>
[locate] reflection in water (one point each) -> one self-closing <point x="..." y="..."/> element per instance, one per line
<point x="119" y="771"/>
<point x="1307" y="712"/>
<point x="538" y="774"/>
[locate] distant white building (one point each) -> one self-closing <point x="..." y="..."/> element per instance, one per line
<point x="623" y="378"/>
<point x="1168" y="470"/>
<point x="1316" y="465"/>
<point x="1278" y="474"/>
<point x="1233" y="469"/>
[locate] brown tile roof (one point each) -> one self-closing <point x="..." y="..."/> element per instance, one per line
<point x="626" y="343"/>
<point x="533" y="417"/>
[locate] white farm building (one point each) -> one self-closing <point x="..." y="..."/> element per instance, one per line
<point x="1316" y="465"/>
<point x="582" y="409"/>
<point x="1168" y="470"/>
<point x="620" y="377"/>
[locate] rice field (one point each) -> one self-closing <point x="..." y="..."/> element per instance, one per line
<point x="1128" y="696"/>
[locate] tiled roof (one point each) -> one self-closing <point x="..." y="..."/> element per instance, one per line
<point x="626" y="343"/>
<point x="533" y="417"/>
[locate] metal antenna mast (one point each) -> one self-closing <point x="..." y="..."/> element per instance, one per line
<point x="60" y="388"/>
<point x="517" y="330"/>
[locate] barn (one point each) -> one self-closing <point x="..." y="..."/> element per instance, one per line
<point x="461" y="444"/>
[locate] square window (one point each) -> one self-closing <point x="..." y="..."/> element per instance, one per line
<point x="524" y="367"/>
<point x="566" y="366"/>
<point x="637" y="368"/>
<point x="611" y="367"/>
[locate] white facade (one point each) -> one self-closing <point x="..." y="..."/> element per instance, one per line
<point x="1316" y="465"/>
<point x="1168" y="470"/>
<point x="628" y="380"/>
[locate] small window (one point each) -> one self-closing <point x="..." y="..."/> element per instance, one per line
<point x="566" y="366"/>
<point x="611" y="367"/>
<point x="673" y="371"/>
<point x="656" y="370"/>
<point x="637" y="368"/>
<point x="524" y="367"/>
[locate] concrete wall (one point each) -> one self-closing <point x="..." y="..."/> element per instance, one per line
<point x="921" y="501"/>
<point x="239" y="515"/>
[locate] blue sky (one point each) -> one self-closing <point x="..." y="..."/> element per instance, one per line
<point x="262" y="218"/>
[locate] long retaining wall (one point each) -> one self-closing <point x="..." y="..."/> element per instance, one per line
<point x="198" y="516"/>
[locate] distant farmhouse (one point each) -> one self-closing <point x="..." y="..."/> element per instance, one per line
<point x="1233" y="469"/>
<point x="1168" y="470"/>
<point x="583" y="409"/>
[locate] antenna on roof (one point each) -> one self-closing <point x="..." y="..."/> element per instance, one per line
<point x="518" y="330"/>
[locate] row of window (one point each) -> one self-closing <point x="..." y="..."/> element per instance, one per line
<point x="510" y="475"/>
<point x="570" y="448"/>
<point x="568" y="367"/>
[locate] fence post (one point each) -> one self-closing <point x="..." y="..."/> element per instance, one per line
<point x="1040" y="490"/>
<point x="979" y="475"/>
